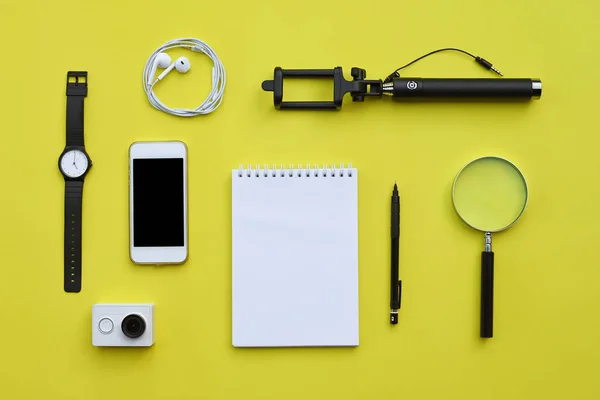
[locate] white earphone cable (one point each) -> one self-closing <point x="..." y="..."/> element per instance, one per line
<point x="215" y="97"/>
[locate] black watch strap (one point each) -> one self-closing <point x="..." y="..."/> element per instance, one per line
<point x="76" y="92"/>
<point x="73" y="205"/>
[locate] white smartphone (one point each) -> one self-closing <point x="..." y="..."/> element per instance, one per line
<point x="158" y="228"/>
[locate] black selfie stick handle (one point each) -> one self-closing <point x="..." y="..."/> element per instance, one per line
<point x="487" y="294"/>
<point x="464" y="88"/>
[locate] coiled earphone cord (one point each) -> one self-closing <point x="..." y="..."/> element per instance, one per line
<point x="215" y="97"/>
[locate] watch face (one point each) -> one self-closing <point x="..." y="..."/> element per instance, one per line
<point x="74" y="163"/>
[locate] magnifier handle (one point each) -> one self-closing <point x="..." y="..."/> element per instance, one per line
<point x="487" y="294"/>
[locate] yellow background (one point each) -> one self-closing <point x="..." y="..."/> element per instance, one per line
<point x="547" y="341"/>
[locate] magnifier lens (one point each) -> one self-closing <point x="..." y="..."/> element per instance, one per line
<point x="490" y="194"/>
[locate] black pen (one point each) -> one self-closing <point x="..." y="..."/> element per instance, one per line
<point x="396" y="284"/>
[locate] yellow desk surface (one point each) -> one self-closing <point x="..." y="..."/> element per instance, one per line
<point x="547" y="314"/>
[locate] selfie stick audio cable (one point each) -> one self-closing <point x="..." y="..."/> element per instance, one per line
<point x="215" y="97"/>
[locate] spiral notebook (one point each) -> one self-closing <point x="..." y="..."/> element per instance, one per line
<point x="294" y="256"/>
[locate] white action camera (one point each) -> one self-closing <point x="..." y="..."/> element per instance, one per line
<point x="123" y="325"/>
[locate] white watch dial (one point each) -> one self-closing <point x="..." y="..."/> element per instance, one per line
<point x="74" y="163"/>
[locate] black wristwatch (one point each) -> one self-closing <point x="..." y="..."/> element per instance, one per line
<point x="74" y="163"/>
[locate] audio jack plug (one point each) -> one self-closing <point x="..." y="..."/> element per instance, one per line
<point x="487" y="65"/>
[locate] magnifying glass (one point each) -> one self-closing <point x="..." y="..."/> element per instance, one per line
<point x="489" y="194"/>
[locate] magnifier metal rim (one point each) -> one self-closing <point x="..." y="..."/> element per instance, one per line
<point x="520" y="174"/>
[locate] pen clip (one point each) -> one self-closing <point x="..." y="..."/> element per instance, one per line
<point x="399" y="293"/>
<point x="396" y="307"/>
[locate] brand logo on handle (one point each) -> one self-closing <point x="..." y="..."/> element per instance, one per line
<point x="411" y="85"/>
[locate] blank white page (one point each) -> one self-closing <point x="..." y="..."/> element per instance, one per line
<point x="295" y="258"/>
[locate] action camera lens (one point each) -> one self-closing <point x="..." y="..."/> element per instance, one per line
<point x="133" y="326"/>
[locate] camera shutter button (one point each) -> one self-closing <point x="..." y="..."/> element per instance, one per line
<point x="106" y="325"/>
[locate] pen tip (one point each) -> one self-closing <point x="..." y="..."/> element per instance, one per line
<point x="395" y="186"/>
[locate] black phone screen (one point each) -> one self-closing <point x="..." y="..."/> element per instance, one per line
<point x="158" y="202"/>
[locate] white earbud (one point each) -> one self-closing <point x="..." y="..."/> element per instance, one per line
<point x="182" y="64"/>
<point x="162" y="60"/>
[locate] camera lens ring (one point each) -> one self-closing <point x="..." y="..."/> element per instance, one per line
<point x="133" y="326"/>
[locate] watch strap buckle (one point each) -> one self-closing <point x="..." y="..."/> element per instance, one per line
<point x="77" y="83"/>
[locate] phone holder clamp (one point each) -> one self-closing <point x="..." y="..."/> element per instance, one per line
<point x="358" y="87"/>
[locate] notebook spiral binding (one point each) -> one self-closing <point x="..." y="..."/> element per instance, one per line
<point x="309" y="172"/>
